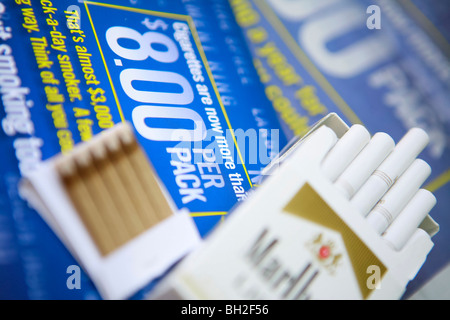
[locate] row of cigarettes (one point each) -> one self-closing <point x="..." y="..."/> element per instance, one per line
<point x="380" y="179"/>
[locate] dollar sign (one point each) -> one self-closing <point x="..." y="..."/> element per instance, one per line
<point x="158" y="23"/>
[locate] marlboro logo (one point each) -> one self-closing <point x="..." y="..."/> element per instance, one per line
<point x="287" y="283"/>
<point x="325" y="253"/>
<point x="308" y="204"/>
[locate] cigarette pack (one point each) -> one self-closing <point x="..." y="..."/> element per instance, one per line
<point x="299" y="237"/>
<point x="178" y="71"/>
<point x="383" y="64"/>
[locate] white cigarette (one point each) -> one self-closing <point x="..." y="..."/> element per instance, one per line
<point x="407" y="222"/>
<point x="365" y="164"/>
<point x="398" y="195"/>
<point x="408" y="148"/>
<point x="318" y="143"/>
<point x="345" y="150"/>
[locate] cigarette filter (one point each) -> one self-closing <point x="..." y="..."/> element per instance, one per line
<point x="409" y="219"/>
<point x="365" y="164"/>
<point x="345" y="150"/>
<point x="388" y="172"/>
<point x="398" y="195"/>
<point x="319" y="143"/>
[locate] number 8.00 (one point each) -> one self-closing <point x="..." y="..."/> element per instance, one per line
<point x="145" y="42"/>
<point x="184" y="96"/>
